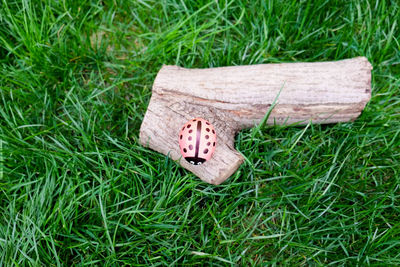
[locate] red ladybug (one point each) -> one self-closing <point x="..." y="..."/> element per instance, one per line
<point x="197" y="141"/>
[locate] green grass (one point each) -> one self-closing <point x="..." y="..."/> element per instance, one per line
<point x="76" y="187"/>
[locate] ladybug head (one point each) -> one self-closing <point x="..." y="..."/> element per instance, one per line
<point x="195" y="160"/>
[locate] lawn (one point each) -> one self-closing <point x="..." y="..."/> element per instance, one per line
<point x="77" y="188"/>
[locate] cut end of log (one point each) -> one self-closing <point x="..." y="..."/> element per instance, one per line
<point x="217" y="169"/>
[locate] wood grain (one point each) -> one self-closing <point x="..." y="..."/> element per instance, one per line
<point x="233" y="98"/>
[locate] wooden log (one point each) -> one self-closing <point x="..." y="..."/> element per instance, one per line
<point x="233" y="98"/>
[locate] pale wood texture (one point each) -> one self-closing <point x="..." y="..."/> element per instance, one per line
<point x="233" y="98"/>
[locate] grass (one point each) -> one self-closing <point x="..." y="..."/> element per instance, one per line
<point x="76" y="188"/>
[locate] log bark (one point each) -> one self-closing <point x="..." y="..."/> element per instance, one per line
<point x="233" y="98"/>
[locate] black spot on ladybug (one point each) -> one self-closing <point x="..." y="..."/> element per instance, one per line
<point x="207" y="136"/>
<point x="194" y="120"/>
<point x="189" y="126"/>
<point x="183" y="128"/>
<point x="207" y="123"/>
<point x="190" y="147"/>
<point x="213" y="131"/>
<point x="181" y="136"/>
<point x="208" y="143"/>
<point x="214" y="144"/>
<point x="190" y="131"/>
<point x="190" y="138"/>
<point x="185" y="150"/>
<point x="205" y="151"/>
<point x="207" y="129"/>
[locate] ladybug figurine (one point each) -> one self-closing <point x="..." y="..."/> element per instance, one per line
<point x="197" y="141"/>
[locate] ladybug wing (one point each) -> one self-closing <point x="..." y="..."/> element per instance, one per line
<point x="187" y="140"/>
<point x="207" y="143"/>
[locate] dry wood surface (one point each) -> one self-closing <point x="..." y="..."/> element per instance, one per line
<point x="233" y="98"/>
